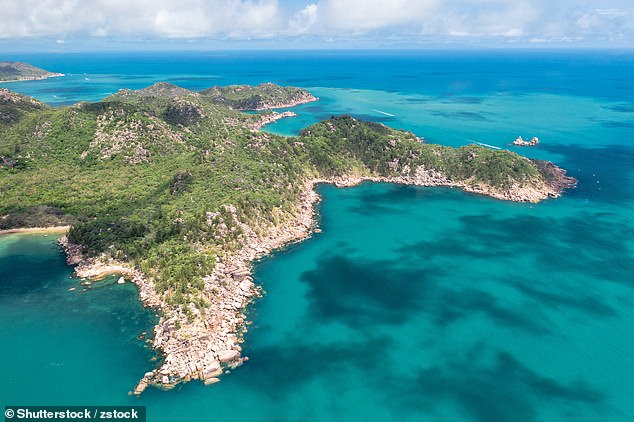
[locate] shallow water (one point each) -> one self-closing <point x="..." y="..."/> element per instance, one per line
<point x="412" y="303"/>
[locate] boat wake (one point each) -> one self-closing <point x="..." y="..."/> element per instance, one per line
<point x="383" y="112"/>
<point x="486" y="145"/>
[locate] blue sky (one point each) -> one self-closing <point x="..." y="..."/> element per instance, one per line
<point x="69" y="25"/>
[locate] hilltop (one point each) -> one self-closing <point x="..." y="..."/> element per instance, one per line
<point x="18" y="71"/>
<point x="179" y="191"/>
<point x="262" y="97"/>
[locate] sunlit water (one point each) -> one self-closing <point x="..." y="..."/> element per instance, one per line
<point x="412" y="303"/>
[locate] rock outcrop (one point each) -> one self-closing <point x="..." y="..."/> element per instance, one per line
<point x="522" y="143"/>
<point x="264" y="119"/>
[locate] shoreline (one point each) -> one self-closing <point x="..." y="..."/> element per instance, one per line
<point x="274" y="115"/>
<point x="204" y="347"/>
<point x="34" y="78"/>
<point x="268" y="118"/>
<point x="303" y="100"/>
<point x="37" y="230"/>
<point x="208" y="344"/>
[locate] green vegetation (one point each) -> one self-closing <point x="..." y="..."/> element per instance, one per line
<point x="343" y="144"/>
<point x="263" y="96"/>
<point x="15" y="71"/>
<point x="169" y="180"/>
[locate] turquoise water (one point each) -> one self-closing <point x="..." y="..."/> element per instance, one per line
<point x="412" y="303"/>
<point x="62" y="346"/>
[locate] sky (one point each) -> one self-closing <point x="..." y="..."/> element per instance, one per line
<point x="75" y="25"/>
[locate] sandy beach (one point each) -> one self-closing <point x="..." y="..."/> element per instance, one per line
<point x="37" y="230"/>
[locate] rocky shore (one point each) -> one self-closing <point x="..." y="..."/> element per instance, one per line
<point x="522" y="143"/>
<point x="205" y="346"/>
<point x="202" y="347"/>
<point x="556" y="182"/>
<point x="264" y="119"/>
<point x="300" y="98"/>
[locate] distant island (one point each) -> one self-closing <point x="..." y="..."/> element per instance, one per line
<point x="179" y="192"/>
<point x="18" y="71"/>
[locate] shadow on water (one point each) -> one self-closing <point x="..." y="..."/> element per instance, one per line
<point x="417" y="101"/>
<point x="587" y="305"/>
<point x="473" y="116"/>
<point x="15" y="280"/>
<point x="500" y="390"/>
<point x="375" y="202"/>
<point x="391" y="196"/>
<point x="617" y="124"/>
<point x="462" y="100"/>
<point x="300" y="363"/>
<point x="552" y="243"/>
<point x="64" y="90"/>
<point x="622" y="108"/>
<point x="454" y="305"/>
<point x="385" y="293"/>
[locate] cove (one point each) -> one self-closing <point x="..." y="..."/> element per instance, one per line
<point x="411" y="303"/>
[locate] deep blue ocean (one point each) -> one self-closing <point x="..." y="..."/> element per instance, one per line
<point x="412" y="304"/>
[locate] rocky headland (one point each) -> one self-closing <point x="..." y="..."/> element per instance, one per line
<point x="179" y="192"/>
<point x="18" y="71"/>
<point x="262" y="97"/>
<point x="204" y="347"/>
<point x="269" y="117"/>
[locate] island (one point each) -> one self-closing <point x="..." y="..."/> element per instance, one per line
<point x="180" y="192"/>
<point x="522" y="143"/>
<point x="18" y="71"/>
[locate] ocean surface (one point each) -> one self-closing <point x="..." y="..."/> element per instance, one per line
<point x="412" y="304"/>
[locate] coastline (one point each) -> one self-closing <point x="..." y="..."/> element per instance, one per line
<point x="38" y="230"/>
<point x="199" y="349"/>
<point x="263" y="119"/>
<point x="301" y="100"/>
<point x="34" y="78"/>
<point x="204" y="347"/>
<point x="268" y="118"/>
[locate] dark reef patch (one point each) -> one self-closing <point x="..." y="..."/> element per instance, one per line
<point x="462" y="100"/>
<point x="465" y="303"/>
<point x="502" y="389"/>
<point x="373" y="292"/>
<point x="582" y="303"/>
<point x="365" y="293"/>
<point x="16" y="281"/>
<point x="297" y="360"/>
<point x="372" y="201"/>
<point x="618" y="124"/>
<point x="621" y="108"/>
<point x="602" y="246"/>
<point x="463" y="115"/>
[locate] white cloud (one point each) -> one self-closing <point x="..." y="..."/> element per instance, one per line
<point x="364" y="15"/>
<point x="304" y="20"/>
<point x="158" y="18"/>
<point x="541" y="20"/>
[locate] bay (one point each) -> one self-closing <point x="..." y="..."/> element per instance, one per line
<point x="412" y="303"/>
